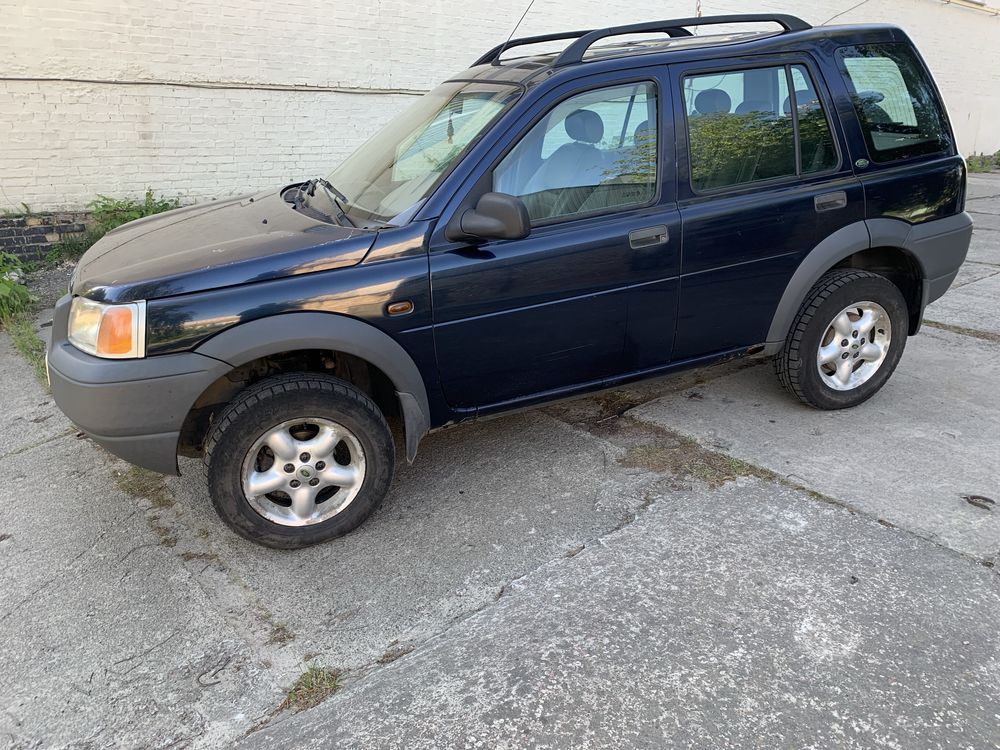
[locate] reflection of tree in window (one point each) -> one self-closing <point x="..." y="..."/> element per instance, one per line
<point x="752" y="137"/>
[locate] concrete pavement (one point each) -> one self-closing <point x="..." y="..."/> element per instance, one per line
<point x="748" y="616"/>
<point x="622" y="570"/>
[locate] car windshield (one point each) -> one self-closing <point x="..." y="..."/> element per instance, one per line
<point x="399" y="166"/>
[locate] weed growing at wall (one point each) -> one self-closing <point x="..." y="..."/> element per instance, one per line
<point x="110" y="213"/>
<point x="14" y="296"/>
<point x="983" y="162"/>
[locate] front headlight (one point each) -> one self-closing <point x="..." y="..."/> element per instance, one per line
<point x="110" y="331"/>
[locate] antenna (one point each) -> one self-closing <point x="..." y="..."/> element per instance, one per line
<point x="514" y="30"/>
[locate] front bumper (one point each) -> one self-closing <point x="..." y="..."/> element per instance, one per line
<point x="135" y="408"/>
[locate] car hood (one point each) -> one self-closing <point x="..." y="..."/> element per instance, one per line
<point x="214" y="245"/>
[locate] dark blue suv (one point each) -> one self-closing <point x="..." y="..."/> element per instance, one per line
<point x="539" y="226"/>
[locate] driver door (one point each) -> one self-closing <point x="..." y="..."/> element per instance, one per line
<point x="519" y="318"/>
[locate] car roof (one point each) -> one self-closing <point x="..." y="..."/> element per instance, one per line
<point x="531" y="69"/>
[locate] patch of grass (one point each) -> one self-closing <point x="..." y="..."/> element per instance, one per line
<point x="142" y="483"/>
<point x="312" y="687"/>
<point x="15" y="299"/>
<point x="281" y="634"/>
<point x="139" y="482"/>
<point x="395" y="651"/>
<point x="614" y="404"/>
<point x="110" y="213"/>
<point x="670" y="453"/>
<point x="983" y="162"/>
<point x="24" y="337"/>
<point x="25" y="210"/>
<point x="72" y="247"/>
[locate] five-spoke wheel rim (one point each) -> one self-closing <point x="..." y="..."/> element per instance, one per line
<point x="854" y="346"/>
<point x="303" y="471"/>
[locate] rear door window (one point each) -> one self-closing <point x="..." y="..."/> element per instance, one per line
<point x="897" y="106"/>
<point x="746" y="126"/>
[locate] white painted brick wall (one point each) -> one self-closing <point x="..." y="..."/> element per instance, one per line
<point x="62" y="143"/>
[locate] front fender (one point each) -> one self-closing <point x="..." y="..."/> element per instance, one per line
<point x="317" y="330"/>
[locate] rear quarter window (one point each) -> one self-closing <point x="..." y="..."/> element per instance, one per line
<point x="899" y="111"/>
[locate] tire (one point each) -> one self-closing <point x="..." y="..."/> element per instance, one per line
<point x="327" y="432"/>
<point x="844" y="381"/>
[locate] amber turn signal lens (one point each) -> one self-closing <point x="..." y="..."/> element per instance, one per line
<point x="115" y="335"/>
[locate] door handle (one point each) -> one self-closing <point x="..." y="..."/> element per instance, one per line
<point x="830" y="201"/>
<point x="649" y="237"/>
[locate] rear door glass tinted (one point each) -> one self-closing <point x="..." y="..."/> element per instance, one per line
<point x="816" y="144"/>
<point x="897" y="106"/>
<point x="742" y="126"/>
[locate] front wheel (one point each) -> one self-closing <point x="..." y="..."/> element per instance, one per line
<point x="298" y="459"/>
<point x="845" y="341"/>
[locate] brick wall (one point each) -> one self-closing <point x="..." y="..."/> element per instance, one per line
<point x="32" y="237"/>
<point x="208" y="98"/>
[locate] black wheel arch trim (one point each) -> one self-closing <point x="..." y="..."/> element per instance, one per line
<point x="939" y="247"/>
<point x="246" y="342"/>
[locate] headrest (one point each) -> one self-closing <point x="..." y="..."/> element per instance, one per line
<point x="754" y="105"/>
<point x="802" y="98"/>
<point x="871" y="97"/>
<point x="712" y="101"/>
<point x="585" y="125"/>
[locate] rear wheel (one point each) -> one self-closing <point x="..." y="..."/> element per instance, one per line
<point x="298" y="459"/>
<point x="845" y="341"/>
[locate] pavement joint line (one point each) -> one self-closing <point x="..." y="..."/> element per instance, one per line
<point x="973" y="281"/>
<point x="990" y="336"/>
<point x="39" y="443"/>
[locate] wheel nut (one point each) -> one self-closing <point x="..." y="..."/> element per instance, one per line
<point x="289" y="468"/>
<point x="304" y="458"/>
<point x="320" y="465"/>
<point x="844" y="342"/>
<point x="845" y="355"/>
<point x="294" y="484"/>
<point x="313" y="482"/>
<point x="855" y="355"/>
<point x="862" y="341"/>
<point x="854" y="334"/>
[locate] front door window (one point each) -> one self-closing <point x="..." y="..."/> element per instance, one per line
<point x="592" y="152"/>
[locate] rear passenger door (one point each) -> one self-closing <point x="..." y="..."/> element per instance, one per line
<point x="761" y="181"/>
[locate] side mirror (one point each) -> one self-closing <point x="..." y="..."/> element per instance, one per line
<point x="497" y="216"/>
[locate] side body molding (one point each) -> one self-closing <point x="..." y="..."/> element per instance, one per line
<point x="317" y="330"/>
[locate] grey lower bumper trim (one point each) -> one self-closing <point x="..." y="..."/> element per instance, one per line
<point x="154" y="452"/>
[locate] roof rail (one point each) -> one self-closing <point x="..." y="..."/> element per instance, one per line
<point x="493" y="56"/>
<point x="574" y="53"/>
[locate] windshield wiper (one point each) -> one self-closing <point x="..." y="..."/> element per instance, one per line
<point x="337" y="198"/>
